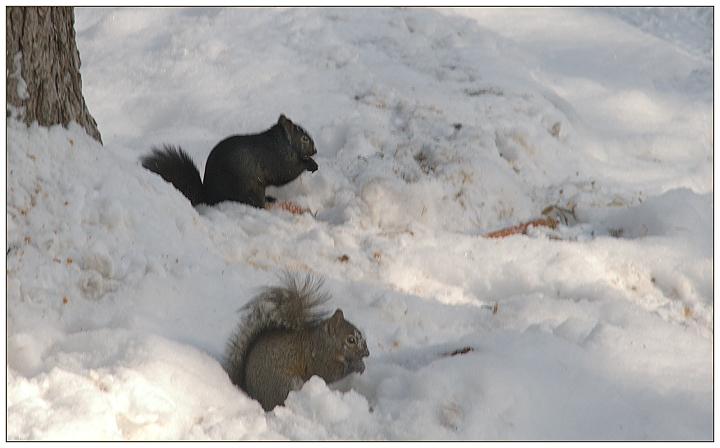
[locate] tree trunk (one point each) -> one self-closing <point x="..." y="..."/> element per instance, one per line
<point x="43" y="68"/>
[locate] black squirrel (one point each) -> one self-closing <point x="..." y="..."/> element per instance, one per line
<point x="283" y="340"/>
<point x="240" y="166"/>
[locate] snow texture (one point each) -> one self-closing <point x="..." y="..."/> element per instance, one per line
<point x="434" y="127"/>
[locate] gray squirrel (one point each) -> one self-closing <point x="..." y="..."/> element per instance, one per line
<point x="283" y="339"/>
<point x="240" y="166"/>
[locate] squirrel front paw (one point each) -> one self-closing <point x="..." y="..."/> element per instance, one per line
<point x="354" y="365"/>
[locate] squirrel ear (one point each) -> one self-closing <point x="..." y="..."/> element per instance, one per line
<point x="334" y="322"/>
<point x="287" y="126"/>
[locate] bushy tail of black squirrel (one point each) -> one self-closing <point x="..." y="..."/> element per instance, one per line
<point x="175" y="166"/>
<point x="292" y="306"/>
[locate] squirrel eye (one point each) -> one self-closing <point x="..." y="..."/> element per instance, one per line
<point x="305" y="139"/>
<point x="351" y="340"/>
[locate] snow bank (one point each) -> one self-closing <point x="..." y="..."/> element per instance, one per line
<point x="433" y="128"/>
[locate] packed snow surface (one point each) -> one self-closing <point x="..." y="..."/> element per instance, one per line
<point x="433" y="128"/>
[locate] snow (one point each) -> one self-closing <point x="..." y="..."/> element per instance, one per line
<point x="433" y="128"/>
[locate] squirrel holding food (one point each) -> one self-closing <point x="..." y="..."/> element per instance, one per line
<point x="283" y="339"/>
<point x="240" y="166"/>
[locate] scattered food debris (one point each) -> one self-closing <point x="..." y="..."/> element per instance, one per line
<point x="522" y="228"/>
<point x="287" y="206"/>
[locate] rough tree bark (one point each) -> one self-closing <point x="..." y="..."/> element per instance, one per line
<point x="43" y="68"/>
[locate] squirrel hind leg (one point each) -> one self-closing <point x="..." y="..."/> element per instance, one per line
<point x="269" y="396"/>
<point x="296" y="383"/>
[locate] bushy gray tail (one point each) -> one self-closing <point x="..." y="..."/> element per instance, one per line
<point x="292" y="306"/>
<point x="175" y="166"/>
